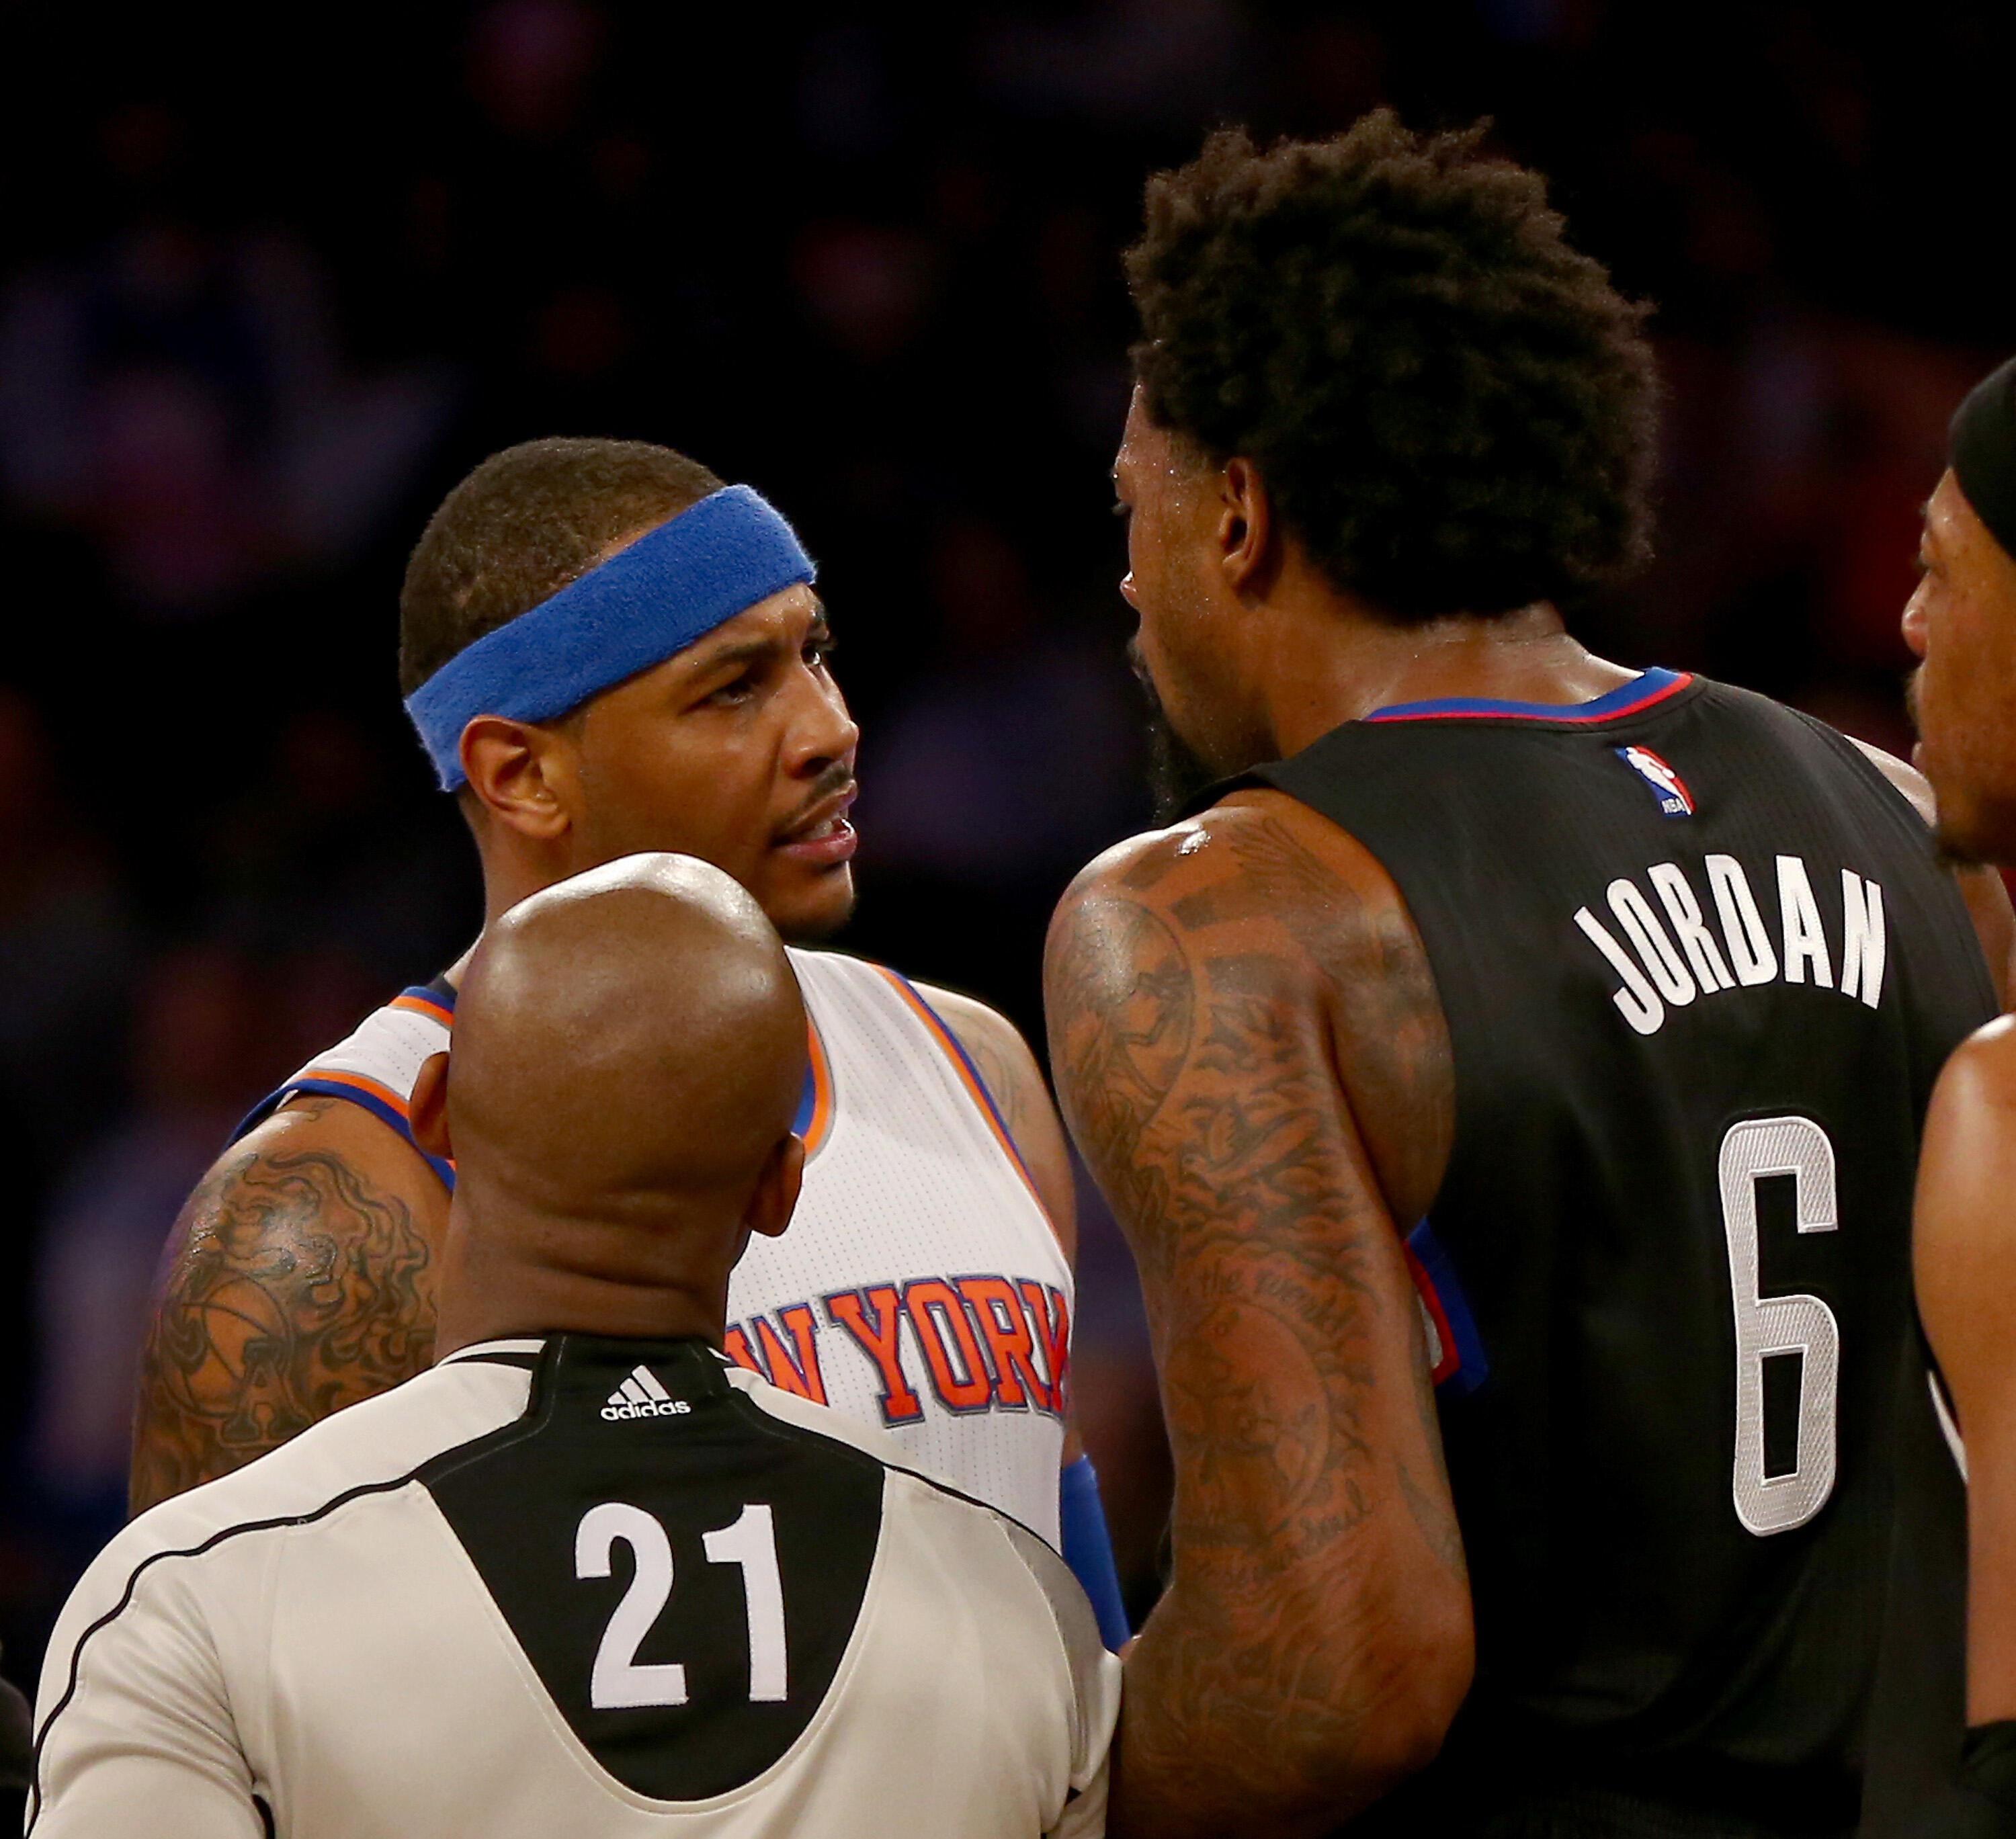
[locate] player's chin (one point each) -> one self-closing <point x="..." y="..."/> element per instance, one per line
<point x="1972" y="832"/>
<point x="806" y="905"/>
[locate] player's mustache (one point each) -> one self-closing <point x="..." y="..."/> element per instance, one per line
<point x="836" y="779"/>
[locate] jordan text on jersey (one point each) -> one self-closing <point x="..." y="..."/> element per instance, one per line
<point x="1665" y="969"/>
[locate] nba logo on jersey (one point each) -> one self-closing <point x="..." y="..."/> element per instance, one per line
<point x="1674" y="798"/>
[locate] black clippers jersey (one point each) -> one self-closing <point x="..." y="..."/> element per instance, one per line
<point x="1917" y="1716"/>
<point x="1701" y="967"/>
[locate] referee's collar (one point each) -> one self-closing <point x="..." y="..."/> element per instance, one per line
<point x="519" y="1345"/>
<point x="515" y="1350"/>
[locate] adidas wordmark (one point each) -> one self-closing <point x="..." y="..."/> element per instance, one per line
<point x="641" y="1395"/>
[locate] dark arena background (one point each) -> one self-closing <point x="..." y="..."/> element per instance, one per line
<point x="268" y="288"/>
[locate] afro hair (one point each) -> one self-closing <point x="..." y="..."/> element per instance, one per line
<point x="1453" y="411"/>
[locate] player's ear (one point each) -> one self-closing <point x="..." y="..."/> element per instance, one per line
<point x="1245" y="525"/>
<point x="769" y="1209"/>
<point x="523" y="773"/>
<point x="426" y="1110"/>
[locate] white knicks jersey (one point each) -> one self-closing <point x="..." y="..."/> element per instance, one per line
<point x="920" y="1286"/>
<point x="609" y="1589"/>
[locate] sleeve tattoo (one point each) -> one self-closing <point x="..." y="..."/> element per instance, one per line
<point x="1214" y="1127"/>
<point x="293" y="1288"/>
<point x="1198" y="1076"/>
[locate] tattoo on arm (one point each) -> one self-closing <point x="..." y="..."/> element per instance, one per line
<point x="293" y="1288"/>
<point x="1433" y="1512"/>
<point x="1211" y="1126"/>
<point x="1401" y="1079"/>
<point x="1198" y="1076"/>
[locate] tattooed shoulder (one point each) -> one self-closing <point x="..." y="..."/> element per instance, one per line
<point x="1289" y="876"/>
<point x="1119" y="998"/>
<point x="1239" y="1010"/>
<point x="296" y="1280"/>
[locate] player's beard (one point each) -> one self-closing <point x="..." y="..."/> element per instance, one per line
<point x="1175" y="775"/>
<point x="1952" y="852"/>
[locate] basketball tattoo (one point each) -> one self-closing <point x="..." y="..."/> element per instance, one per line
<point x="293" y="1288"/>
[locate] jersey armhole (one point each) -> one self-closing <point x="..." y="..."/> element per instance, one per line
<point x="1911" y="823"/>
<point x="436" y="1002"/>
<point x="1895" y="798"/>
<point x="380" y="1101"/>
<point x="969" y="1076"/>
<point x="1944" y="1413"/>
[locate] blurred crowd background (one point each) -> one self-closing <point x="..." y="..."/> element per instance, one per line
<point x="267" y="291"/>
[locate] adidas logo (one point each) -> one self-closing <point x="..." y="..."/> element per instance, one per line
<point x="641" y="1395"/>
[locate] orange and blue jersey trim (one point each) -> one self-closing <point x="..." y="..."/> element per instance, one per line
<point x="435" y="1001"/>
<point x="969" y="1074"/>
<point x="429" y="1002"/>
<point x="814" y="1122"/>
<point x="1643" y="692"/>
<point x="380" y="1101"/>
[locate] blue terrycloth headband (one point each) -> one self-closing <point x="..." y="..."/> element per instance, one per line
<point x="674" y="584"/>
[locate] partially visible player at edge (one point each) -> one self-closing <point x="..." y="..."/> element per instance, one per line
<point x="1942" y="1741"/>
<point x="1480" y="1027"/>
<point x="606" y="651"/>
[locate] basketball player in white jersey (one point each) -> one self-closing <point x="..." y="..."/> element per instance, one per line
<point x="587" y="1576"/>
<point x="606" y="651"/>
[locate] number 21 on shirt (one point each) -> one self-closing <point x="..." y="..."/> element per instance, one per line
<point x="618" y="1680"/>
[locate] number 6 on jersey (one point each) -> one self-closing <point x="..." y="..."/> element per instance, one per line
<point x="1770" y="1325"/>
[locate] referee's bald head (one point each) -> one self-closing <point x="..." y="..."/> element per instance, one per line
<point x="629" y="1053"/>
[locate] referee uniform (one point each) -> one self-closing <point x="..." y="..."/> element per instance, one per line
<point x="593" y="1587"/>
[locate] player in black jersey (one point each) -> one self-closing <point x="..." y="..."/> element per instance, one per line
<point x="1558" y="1032"/>
<point x="1942" y="1741"/>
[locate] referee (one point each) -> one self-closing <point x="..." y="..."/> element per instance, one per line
<point x="586" y="1577"/>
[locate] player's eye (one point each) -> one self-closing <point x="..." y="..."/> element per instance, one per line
<point x="1122" y="509"/>
<point x="739" y="689"/>
<point x="819" y="647"/>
